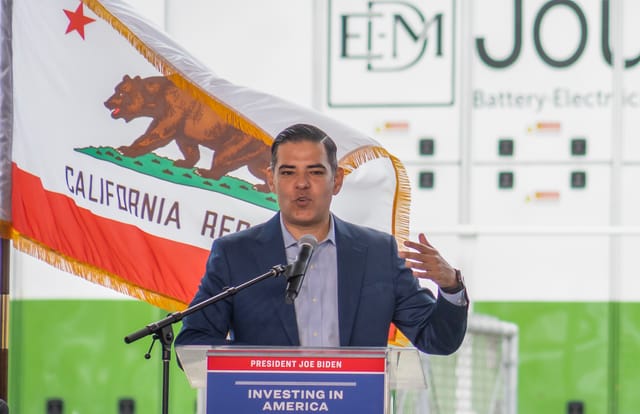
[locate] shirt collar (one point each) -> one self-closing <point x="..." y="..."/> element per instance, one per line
<point x="289" y="240"/>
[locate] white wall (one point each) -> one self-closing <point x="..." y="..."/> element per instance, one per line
<point x="270" y="46"/>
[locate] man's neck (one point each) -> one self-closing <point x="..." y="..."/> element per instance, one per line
<point x="320" y="231"/>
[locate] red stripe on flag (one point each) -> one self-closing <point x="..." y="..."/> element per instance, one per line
<point x="158" y="265"/>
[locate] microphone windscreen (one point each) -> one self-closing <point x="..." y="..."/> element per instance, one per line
<point x="308" y="239"/>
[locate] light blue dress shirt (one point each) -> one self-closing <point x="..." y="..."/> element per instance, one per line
<point x="317" y="301"/>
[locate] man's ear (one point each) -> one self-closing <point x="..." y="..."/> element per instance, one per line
<point x="338" y="178"/>
<point x="272" y="187"/>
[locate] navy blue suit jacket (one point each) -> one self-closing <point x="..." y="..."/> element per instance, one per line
<point x="374" y="289"/>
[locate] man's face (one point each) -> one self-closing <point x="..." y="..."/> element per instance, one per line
<point x="304" y="184"/>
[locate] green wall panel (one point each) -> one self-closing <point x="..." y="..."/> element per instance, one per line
<point x="74" y="350"/>
<point x="574" y="351"/>
<point x="628" y="362"/>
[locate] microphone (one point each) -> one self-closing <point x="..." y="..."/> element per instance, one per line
<point x="297" y="269"/>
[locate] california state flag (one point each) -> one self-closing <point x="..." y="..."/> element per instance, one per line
<point x="130" y="157"/>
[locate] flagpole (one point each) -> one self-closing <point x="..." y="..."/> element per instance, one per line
<point x="4" y="320"/>
<point x="6" y="136"/>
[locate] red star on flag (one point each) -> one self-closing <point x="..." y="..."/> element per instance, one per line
<point x="77" y="20"/>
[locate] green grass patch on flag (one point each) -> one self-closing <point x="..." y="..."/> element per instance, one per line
<point x="163" y="169"/>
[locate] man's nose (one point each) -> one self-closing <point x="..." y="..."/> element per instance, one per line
<point x="302" y="181"/>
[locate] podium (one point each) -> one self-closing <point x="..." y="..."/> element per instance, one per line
<point x="294" y="379"/>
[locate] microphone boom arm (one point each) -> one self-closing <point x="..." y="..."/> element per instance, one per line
<point x="162" y="330"/>
<point x="155" y="327"/>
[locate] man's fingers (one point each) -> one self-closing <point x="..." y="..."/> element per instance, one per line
<point x="416" y="264"/>
<point x="421" y="275"/>
<point x="421" y="247"/>
<point x="423" y="239"/>
<point x="417" y="256"/>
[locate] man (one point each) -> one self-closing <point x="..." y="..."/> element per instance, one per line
<point x="356" y="283"/>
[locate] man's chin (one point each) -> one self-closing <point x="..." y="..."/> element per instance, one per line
<point x="304" y="220"/>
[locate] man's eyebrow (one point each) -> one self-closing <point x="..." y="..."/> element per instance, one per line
<point x="319" y="165"/>
<point x="312" y="166"/>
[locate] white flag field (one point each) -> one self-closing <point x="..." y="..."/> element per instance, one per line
<point x="129" y="157"/>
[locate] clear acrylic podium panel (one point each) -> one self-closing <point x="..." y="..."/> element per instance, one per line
<point x="403" y="364"/>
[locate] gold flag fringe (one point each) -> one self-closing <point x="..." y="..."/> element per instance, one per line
<point x="401" y="207"/>
<point x="402" y="197"/>
<point x="165" y="67"/>
<point x="91" y="273"/>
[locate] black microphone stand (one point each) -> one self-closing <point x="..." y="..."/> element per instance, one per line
<point x="162" y="330"/>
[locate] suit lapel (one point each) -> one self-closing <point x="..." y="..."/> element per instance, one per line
<point x="351" y="258"/>
<point x="272" y="246"/>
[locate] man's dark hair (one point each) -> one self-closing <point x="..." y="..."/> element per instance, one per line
<point x="305" y="132"/>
